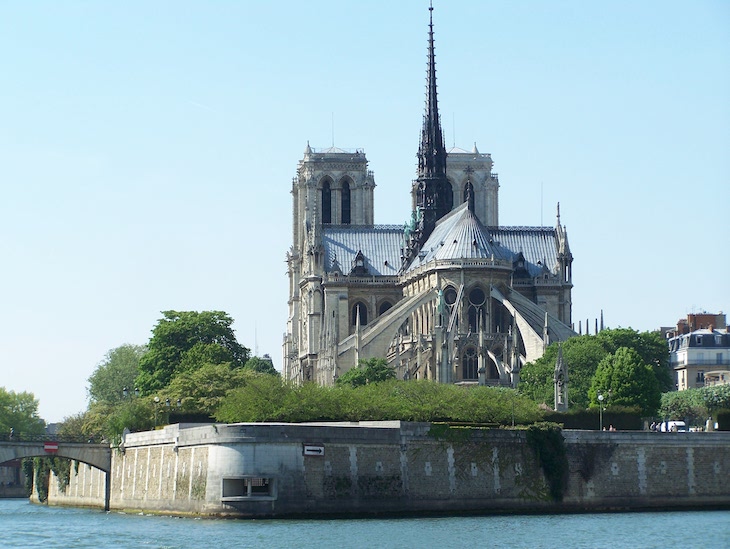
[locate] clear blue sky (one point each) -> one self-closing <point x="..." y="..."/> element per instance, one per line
<point x="147" y="151"/>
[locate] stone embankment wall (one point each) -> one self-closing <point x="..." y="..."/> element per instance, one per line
<point x="394" y="467"/>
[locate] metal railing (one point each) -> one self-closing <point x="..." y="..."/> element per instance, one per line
<point x="24" y="437"/>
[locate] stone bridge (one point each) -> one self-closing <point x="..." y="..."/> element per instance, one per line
<point x="96" y="455"/>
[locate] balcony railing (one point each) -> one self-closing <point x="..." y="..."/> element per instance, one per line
<point x="701" y="362"/>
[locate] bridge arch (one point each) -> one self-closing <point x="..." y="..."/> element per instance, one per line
<point x="96" y="455"/>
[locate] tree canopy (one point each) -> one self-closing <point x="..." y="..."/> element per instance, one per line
<point x="184" y="341"/>
<point x="651" y="347"/>
<point x="263" y="365"/>
<point x="118" y="369"/>
<point x="372" y="370"/>
<point x="582" y="354"/>
<point x="625" y="380"/>
<point x="19" y="411"/>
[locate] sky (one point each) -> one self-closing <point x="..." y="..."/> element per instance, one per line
<point x="147" y="151"/>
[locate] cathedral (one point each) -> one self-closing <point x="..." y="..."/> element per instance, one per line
<point x="450" y="296"/>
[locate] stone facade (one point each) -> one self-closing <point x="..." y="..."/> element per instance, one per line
<point x="270" y="470"/>
<point x="450" y="296"/>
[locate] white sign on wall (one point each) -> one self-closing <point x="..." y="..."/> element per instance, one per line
<point x="313" y="450"/>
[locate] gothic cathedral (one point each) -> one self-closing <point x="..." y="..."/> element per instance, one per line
<point x="452" y="296"/>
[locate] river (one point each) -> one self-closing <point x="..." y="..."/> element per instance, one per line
<point x="26" y="525"/>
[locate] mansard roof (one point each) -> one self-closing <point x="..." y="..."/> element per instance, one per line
<point x="380" y="245"/>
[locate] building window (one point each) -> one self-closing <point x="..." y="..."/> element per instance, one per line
<point x="326" y="202"/>
<point x="450" y="295"/>
<point x="700" y="377"/>
<point x="698" y="340"/>
<point x="384" y="306"/>
<point x="476" y="314"/>
<point x="470" y="364"/>
<point x="361" y="309"/>
<point x="345" y="199"/>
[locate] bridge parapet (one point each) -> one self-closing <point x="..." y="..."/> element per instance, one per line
<point x="96" y="455"/>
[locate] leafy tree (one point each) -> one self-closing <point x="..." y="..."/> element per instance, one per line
<point x="687" y="405"/>
<point x="201" y="391"/>
<point x="19" y="411"/>
<point x="118" y="369"/>
<point x="76" y="427"/>
<point x="136" y="415"/>
<point x="263" y="365"/>
<point x="652" y="349"/>
<point x="261" y="398"/>
<point x="627" y="381"/>
<point x="183" y="341"/>
<point x="582" y="355"/>
<point x="716" y="397"/>
<point x="372" y="370"/>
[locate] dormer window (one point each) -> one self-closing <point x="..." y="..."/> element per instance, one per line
<point x="358" y="265"/>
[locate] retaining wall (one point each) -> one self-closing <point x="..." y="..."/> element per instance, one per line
<point x="398" y="467"/>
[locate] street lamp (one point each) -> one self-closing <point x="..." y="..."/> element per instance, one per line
<point x="125" y="392"/>
<point x="600" y="411"/>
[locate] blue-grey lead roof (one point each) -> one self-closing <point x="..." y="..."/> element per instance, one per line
<point x="458" y="235"/>
<point x="380" y="245"/>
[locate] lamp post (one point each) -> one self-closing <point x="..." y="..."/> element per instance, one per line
<point x="600" y="412"/>
<point x="125" y="392"/>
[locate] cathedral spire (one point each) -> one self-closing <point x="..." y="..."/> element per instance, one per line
<point x="431" y="152"/>
<point x="432" y="192"/>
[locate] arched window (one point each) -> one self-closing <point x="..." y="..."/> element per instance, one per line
<point x="477" y="310"/>
<point x="362" y="309"/>
<point x="450" y="295"/>
<point x="469" y="195"/>
<point x="470" y="364"/>
<point x="326" y="202"/>
<point x="346" y="217"/>
<point x="384" y="306"/>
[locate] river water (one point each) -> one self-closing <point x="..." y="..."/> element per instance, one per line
<point x="26" y="525"/>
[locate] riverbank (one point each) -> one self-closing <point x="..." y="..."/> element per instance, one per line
<point x="402" y="469"/>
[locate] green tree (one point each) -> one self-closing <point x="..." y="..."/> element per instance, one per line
<point x="201" y="391"/>
<point x="136" y="415"/>
<point x="263" y="365"/>
<point x="626" y="381"/>
<point x="183" y="341"/>
<point x="372" y="370"/>
<point x="651" y="346"/>
<point x="261" y="398"/>
<point x="686" y="405"/>
<point x="118" y="369"/>
<point x="582" y="355"/>
<point x="19" y="411"/>
<point x="716" y="397"/>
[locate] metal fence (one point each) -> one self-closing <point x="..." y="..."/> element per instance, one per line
<point x="23" y="437"/>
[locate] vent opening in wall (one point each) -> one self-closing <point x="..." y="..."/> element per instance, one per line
<point x="235" y="489"/>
